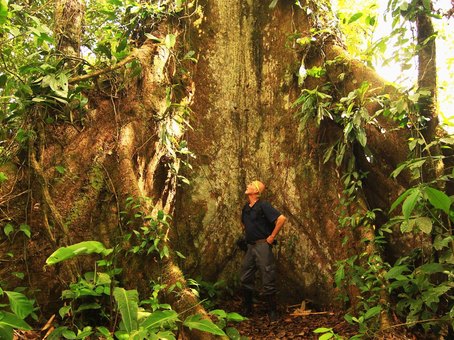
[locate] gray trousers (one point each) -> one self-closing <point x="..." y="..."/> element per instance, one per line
<point x="259" y="256"/>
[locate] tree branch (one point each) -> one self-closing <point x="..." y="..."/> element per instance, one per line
<point x="108" y="69"/>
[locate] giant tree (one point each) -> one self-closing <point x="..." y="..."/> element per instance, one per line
<point x="169" y="108"/>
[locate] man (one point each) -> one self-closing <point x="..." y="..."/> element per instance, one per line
<point x="261" y="223"/>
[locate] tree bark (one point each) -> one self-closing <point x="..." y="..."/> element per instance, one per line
<point x="243" y="129"/>
<point x="69" y="18"/>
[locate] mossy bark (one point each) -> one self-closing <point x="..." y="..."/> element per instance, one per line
<point x="243" y="129"/>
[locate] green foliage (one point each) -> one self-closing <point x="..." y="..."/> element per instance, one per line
<point x="82" y="248"/>
<point x="326" y="333"/>
<point x="198" y="322"/>
<point x="209" y="292"/>
<point x="11" y="231"/>
<point x="151" y="237"/>
<point x="127" y="301"/>
<point x="11" y="318"/>
<point x="93" y="296"/>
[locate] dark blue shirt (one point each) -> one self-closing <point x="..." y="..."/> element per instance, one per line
<point x="259" y="220"/>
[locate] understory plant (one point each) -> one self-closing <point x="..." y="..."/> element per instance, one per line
<point x="97" y="305"/>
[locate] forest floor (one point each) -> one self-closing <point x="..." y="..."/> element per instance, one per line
<point x="298" y="322"/>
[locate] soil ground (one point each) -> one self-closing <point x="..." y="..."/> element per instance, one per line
<point x="298" y="322"/>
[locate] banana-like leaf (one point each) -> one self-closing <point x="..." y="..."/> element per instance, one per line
<point x="82" y="248"/>
<point x="127" y="301"/>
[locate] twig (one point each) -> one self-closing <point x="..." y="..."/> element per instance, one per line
<point x="108" y="69"/>
<point x="407" y="324"/>
<point x="46" y="194"/>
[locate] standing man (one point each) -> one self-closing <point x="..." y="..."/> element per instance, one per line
<point x="261" y="223"/>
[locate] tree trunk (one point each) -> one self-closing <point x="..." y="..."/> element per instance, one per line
<point x="243" y="129"/>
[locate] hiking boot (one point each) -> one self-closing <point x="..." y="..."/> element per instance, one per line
<point x="272" y="308"/>
<point x="247" y="309"/>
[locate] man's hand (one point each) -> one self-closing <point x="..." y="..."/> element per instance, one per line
<point x="270" y="239"/>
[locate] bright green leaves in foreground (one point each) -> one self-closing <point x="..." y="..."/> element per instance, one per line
<point x="20" y="307"/>
<point x="3" y="11"/>
<point x="93" y="291"/>
<point x="82" y="248"/>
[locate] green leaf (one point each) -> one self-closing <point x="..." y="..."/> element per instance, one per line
<point x="399" y="169"/>
<point x="159" y="318"/>
<point x="82" y="248"/>
<point x="424" y="224"/>
<point x="127" y="301"/>
<point x="60" y="169"/>
<point x="355" y="17"/>
<point x="3" y="177"/>
<point x="371" y="312"/>
<point x="326" y="336"/>
<point x="69" y="334"/>
<point x="12" y="320"/>
<point x="20" y="304"/>
<point x="205" y="325"/>
<point x="235" y="317"/>
<point x="396" y="271"/>
<point x="64" y="310"/>
<point x="25" y="228"/>
<point x="410" y="203"/>
<point x="401" y="198"/>
<point x="6" y="332"/>
<point x="8" y="229"/>
<point x="233" y="333"/>
<point x="3" y="11"/>
<point x="430" y="268"/>
<point x="273" y="4"/>
<point x="361" y="137"/>
<point x="87" y="306"/>
<point x="219" y="312"/>
<point x="438" y="199"/>
<point x="339" y="275"/>
<point x="170" y="40"/>
<point x="322" y="330"/>
<point x="104" y="332"/>
<point x="441" y="242"/>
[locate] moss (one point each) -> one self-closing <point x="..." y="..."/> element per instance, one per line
<point x="96" y="177"/>
<point x="96" y="184"/>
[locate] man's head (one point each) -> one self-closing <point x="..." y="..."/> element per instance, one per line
<point x="255" y="188"/>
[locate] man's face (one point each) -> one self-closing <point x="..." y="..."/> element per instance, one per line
<point x="251" y="189"/>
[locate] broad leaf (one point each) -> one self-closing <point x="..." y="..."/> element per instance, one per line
<point x="401" y="198"/>
<point x="6" y="332"/>
<point x="339" y="275"/>
<point x="371" y="312"/>
<point x="235" y="317"/>
<point x="20" y="304"/>
<point x="159" y="318"/>
<point x="25" y="228"/>
<point x="127" y="301"/>
<point x="3" y="11"/>
<point x="63" y="311"/>
<point x="11" y="320"/>
<point x="322" y="330"/>
<point x="219" y="312"/>
<point x="8" y="229"/>
<point x="326" y="336"/>
<point x="396" y="271"/>
<point x="355" y="17"/>
<point x="82" y="248"/>
<point x="170" y="40"/>
<point x="438" y="199"/>
<point x="431" y="268"/>
<point x="205" y="325"/>
<point x="424" y="224"/>
<point x="410" y="203"/>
